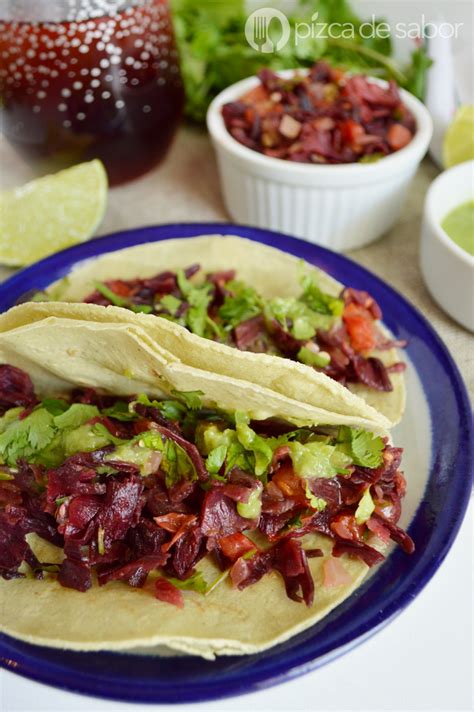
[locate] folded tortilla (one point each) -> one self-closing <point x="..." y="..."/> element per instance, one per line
<point x="62" y="354"/>
<point x="270" y="271"/>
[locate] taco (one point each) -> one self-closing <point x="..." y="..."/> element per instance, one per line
<point x="253" y="297"/>
<point x="145" y="502"/>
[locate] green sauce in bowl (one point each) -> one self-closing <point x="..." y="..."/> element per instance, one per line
<point x="459" y="226"/>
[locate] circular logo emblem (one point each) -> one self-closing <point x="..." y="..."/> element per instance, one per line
<point x="267" y="30"/>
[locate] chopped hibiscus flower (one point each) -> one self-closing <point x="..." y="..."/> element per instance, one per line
<point x="189" y="483"/>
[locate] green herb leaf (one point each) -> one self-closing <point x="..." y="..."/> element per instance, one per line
<point x="26" y="438"/>
<point x="55" y="406"/>
<point x="191" y="399"/>
<point x="296" y="317"/>
<point x="100" y="429"/>
<point x="199" y="299"/>
<point x="77" y="414"/>
<point x="243" y="303"/>
<point x="315" y="502"/>
<point x="120" y="410"/>
<point x="367" y="449"/>
<point x="216" y="459"/>
<point x="317" y="300"/>
<point x="176" y="463"/>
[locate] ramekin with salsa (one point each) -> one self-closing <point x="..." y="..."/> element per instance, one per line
<point x="322" y="116"/>
<point x="350" y="146"/>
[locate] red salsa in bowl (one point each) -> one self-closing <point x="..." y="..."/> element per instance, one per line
<point x="322" y="116"/>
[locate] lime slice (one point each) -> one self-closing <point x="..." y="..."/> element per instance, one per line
<point x="458" y="145"/>
<point x="51" y="213"/>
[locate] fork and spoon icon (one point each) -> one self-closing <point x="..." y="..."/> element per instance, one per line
<point x="261" y="35"/>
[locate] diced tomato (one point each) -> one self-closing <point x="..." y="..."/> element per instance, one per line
<point x="351" y="131"/>
<point x="255" y="95"/>
<point x="398" y="136"/>
<point x="165" y="591"/>
<point x="346" y="527"/>
<point x="335" y="573"/>
<point x="119" y="287"/>
<point x="235" y="545"/>
<point x="289" y="483"/>
<point x="259" y="99"/>
<point x="360" y="326"/>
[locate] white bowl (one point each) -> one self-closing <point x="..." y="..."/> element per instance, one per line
<point x="339" y="206"/>
<point x="447" y="269"/>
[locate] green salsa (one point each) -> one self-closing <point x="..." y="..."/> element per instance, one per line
<point x="459" y="226"/>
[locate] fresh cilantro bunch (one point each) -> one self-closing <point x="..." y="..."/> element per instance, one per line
<point x="215" y="53"/>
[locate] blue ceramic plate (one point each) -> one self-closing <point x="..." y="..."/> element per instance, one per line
<point x="435" y="433"/>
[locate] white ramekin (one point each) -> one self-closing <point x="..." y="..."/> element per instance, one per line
<point x="447" y="269"/>
<point x="338" y="206"/>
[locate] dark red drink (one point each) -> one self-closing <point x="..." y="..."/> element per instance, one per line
<point x="91" y="86"/>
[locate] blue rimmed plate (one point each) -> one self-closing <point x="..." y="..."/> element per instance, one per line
<point x="436" y="434"/>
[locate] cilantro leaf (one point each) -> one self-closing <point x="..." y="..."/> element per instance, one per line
<point x="315" y="502"/>
<point x="317" y="300"/>
<point x="26" y="438"/>
<point x="216" y="459"/>
<point x="100" y="429"/>
<point x="367" y="449"/>
<point x="170" y="409"/>
<point x="296" y="317"/>
<point x="120" y="410"/>
<point x="191" y="399"/>
<point x="55" y="406"/>
<point x="199" y="299"/>
<point x="176" y="463"/>
<point x="77" y="414"/>
<point x="243" y="303"/>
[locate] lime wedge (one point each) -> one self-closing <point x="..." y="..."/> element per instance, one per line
<point x="458" y="145"/>
<point x="51" y="213"/>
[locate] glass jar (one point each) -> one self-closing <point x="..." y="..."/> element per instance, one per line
<point x="83" y="79"/>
